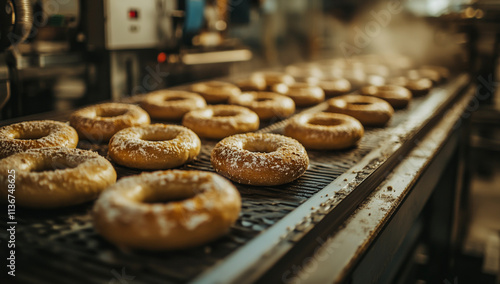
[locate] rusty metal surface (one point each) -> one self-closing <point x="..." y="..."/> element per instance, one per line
<point x="61" y="246"/>
<point x="406" y="189"/>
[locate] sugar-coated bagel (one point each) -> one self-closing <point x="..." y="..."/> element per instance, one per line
<point x="219" y="121"/>
<point x="27" y="135"/>
<point x="55" y="177"/>
<point x="100" y="122"/>
<point x="370" y="111"/>
<point x="133" y="213"/>
<point x="155" y="146"/>
<point x="325" y="131"/>
<point x="171" y="104"/>
<point x="260" y="159"/>
<point x="266" y="105"/>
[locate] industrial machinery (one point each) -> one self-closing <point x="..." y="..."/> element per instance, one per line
<point x="58" y="54"/>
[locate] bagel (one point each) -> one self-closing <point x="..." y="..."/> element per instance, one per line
<point x="171" y="105"/>
<point x="419" y="87"/>
<point x="272" y="78"/>
<point x="202" y="207"/>
<point x="266" y="105"/>
<point x="325" y="131"/>
<point x="303" y="94"/>
<point x="55" y="177"/>
<point x="332" y="87"/>
<point x="216" y="92"/>
<point x="155" y="146"/>
<point x="256" y="82"/>
<point x="100" y="122"/>
<point x="23" y="136"/>
<point x="260" y="159"/>
<point x="399" y="97"/>
<point x="216" y="122"/>
<point x="370" y="111"/>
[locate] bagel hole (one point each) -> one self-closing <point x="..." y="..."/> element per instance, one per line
<point x="260" y="147"/>
<point x="32" y="135"/>
<point x="263" y="99"/>
<point x="167" y="195"/>
<point x="111" y="112"/>
<point x="325" y="121"/>
<point x="360" y="103"/>
<point x="225" y="113"/>
<point x="174" y="99"/>
<point x="158" y="136"/>
<point x="46" y="167"/>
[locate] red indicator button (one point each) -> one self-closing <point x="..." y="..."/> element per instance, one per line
<point x="133" y="14"/>
<point x="162" y="57"/>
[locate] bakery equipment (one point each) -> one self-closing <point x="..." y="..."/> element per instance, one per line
<point x="59" y="54"/>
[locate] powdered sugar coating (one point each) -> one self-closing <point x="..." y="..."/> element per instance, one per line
<point x="170" y="104"/>
<point x="22" y="136"/>
<point x="210" y="205"/>
<point x="220" y="121"/>
<point x="260" y="159"/>
<point x="156" y="146"/>
<point x="56" y="177"/>
<point x="100" y="122"/>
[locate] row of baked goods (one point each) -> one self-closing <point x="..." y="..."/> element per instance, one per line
<point x="202" y="206"/>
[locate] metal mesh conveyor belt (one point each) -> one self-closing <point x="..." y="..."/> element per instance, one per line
<point x="61" y="246"/>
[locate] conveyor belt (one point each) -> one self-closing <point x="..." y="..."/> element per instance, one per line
<point x="61" y="246"/>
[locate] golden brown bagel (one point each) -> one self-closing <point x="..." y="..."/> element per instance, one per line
<point x="132" y="213"/>
<point x="22" y="136"/>
<point x="170" y="105"/>
<point x="260" y="159"/>
<point x="303" y="94"/>
<point x="266" y="105"/>
<point x="100" y="122"/>
<point x="156" y="146"/>
<point x="216" y="122"/>
<point x="55" y="177"/>
<point x="399" y="97"/>
<point x="216" y="92"/>
<point x="370" y="111"/>
<point x="325" y="131"/>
